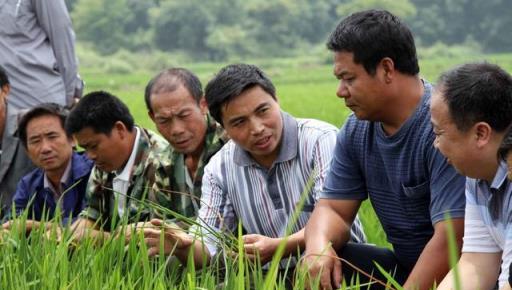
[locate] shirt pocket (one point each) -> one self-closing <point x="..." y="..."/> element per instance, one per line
<point x="415" y="200"/>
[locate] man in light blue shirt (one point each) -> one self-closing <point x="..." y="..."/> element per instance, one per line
<point x="471" y="111"/>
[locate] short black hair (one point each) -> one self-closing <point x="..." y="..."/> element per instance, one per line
<point x="372" y="35"/>
<point x="477" y="92"/>
<point x="44" y="109"/>
<point x="506" y="144"/>
<point x="169" y="80"/>
<point x="230" y="82"/>
<point x="100" y="111"/>
<point x="4" y="79"/>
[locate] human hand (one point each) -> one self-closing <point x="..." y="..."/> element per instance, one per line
<point x="323" y="264"/>
<point x="29" y="225"/>
<point x="258" y="245"/>
<point x="174" y="238"/>
<point x="3" y="234"/>
<point x="131" y="230"/>
<point x="53" y="232"/>
<point x="7" y="225"/>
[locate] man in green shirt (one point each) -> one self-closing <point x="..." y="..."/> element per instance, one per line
<point x="129" y="167"/>
<point x="176" y="104"/>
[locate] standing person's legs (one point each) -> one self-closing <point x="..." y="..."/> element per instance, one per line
<point x="364" y="257"/>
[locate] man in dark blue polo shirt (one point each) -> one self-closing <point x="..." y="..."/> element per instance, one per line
<point x="61" y="177"/>
<point x="384" y="153"/>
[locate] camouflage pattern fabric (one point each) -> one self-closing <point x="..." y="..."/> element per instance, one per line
<point x="180" y="199"/>
<point x="158" y="177"/>
<point x="147" y="177"/>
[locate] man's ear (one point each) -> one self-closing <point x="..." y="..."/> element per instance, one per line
<point x="482" y="131"/>
<point x="4" y="92"/>
<point x="120" y="129"/>
<point x="6" y="89"/>
<point x="387" y="66"/>
<point x="203" y="106"/>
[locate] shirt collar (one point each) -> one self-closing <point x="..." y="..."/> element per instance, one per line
<point x="501" y="175"/>
<point x="288" y="147"/>
<point x="63" y="179"/>
<point x="125" y="173"/>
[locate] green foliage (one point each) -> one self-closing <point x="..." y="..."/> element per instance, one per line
<point x="456" y="21"/>
<point x="236" y="29"/>
<point x="113" y="24"/>
<point x="181" y="25"/>
<point x="401" y="8"/>
<point x="98" y="19"/>
<point x="219" y="30"/>
<point x="211" y="30"/>
<point x="70" y="4"/>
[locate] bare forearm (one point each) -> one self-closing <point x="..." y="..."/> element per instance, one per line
<point x="294" y="243"/>
<point x="431" y="267"/>
<point x="476" y="271"/>
<point x="433" y="263"/>
<point x="31" y="225"/>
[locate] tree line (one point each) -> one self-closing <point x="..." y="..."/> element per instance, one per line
<point x="216" y="30"/>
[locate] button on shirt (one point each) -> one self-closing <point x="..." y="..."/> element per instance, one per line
<point x="488" y="224"/>
<point x="236" y="188"/>
<point x="121" y="181"/>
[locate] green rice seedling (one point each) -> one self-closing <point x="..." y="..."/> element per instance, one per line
<point x="454" y="252"/>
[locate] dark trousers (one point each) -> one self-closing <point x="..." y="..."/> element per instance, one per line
<point x="363" y="257"/>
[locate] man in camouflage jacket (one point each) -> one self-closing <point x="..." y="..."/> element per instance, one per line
<point x="175" y="102"/>
<point x="127" y="183"/>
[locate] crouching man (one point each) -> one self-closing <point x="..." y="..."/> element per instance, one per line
<point x="176" y="104"/>
<point x="60" y="179"/>
<point x="128" y="171"/>
<point x="471" y="111"/>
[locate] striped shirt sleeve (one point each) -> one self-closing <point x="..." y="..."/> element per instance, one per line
<point x="216" y="213"/>
<point x="477" y="236"/>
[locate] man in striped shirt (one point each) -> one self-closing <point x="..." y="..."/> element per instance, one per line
<point x="471" y="111"/>
<point x="259" y="178"/>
